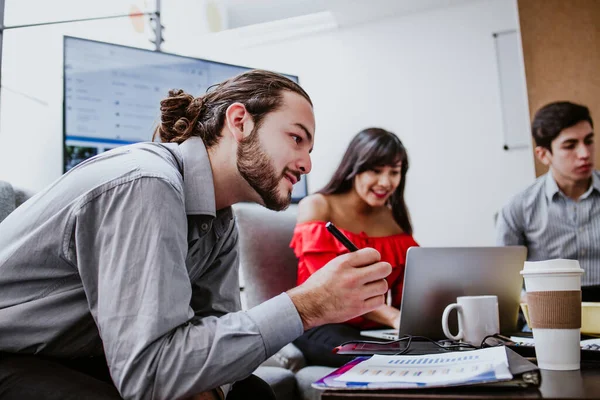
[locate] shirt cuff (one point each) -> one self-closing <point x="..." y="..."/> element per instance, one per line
<point x="278" y="322"/>
<point x="225" y="389"/>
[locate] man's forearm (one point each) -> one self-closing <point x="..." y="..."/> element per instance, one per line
<point x="227" y="357"/>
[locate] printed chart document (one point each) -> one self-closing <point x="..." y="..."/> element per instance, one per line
<point x="423" y="371"/>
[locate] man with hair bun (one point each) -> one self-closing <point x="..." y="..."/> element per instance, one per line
<point x="121" y="278"/>
<point x="558" y="216"/>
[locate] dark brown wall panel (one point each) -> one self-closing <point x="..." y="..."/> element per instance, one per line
<point x="561" y="48"/>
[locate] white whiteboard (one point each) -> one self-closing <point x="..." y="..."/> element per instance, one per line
<point x="513" y="91"/>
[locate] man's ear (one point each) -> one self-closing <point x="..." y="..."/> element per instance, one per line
<point x="544" y="155"/>
<point x="238" y="121"/>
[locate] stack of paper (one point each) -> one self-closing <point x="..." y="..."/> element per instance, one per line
<point x="433" y="370"/>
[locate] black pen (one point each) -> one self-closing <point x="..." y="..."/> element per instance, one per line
<point x="340" y="236"/>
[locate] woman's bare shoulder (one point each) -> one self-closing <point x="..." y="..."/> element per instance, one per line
<point x="313" y="208"/>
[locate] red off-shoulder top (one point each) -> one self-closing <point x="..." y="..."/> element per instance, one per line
<point x="315" y="246"/>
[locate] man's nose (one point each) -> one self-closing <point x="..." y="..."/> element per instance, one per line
<point x="583" y="151"/>
<point x="304" y="164"/>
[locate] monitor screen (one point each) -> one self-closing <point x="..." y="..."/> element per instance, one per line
<point x="112" y="94"/>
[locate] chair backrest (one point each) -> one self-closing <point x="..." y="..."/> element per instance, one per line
<point x="7" y="199"/>
<point x="268" y="265"/>
<point x="11" y="198"/>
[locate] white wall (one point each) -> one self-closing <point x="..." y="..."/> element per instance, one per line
<point x="31" y="136"/>
<point x="432" y="79"/>
<point x="429" y="77"/>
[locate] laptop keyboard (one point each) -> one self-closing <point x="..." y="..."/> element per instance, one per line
<point x="590" y="347"/>
<point x="589" y="351"/>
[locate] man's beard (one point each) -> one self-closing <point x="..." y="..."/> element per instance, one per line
<point x="256" y="167"/>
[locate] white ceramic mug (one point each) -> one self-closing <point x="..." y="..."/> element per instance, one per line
<point x="477" y="318"/>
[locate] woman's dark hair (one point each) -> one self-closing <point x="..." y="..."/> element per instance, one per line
<point x="371" y="148"/>
<point x="551" y="119"/>
<point x="183" y="116"/>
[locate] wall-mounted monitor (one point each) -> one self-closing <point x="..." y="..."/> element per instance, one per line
<point x="112" y="94"/>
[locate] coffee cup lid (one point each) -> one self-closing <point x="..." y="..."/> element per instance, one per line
<point x="552" y="267"/>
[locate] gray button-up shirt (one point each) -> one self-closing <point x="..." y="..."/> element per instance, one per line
<point x="126" y="255"/>
<point x="552" y="225"/>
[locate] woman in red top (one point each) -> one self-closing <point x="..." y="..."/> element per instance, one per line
<point x="365" y="200"/>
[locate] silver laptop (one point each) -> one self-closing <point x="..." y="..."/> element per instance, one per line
<point x="435" y="276"/>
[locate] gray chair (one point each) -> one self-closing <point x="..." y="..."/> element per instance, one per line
<point x="7" y="199"/>
<point x="11" y="198"/>
<point x="269" y="267"/>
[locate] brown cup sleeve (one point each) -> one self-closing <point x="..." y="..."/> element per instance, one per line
<point x="554" y="309"/>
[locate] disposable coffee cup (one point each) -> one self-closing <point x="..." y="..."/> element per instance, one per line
<point x="554" y="304"/>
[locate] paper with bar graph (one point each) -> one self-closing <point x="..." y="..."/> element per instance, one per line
<point x="449" y="367"/>
<point x="432" y="370"/>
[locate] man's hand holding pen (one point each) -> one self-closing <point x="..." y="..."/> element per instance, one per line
<point x="348" y="286"/>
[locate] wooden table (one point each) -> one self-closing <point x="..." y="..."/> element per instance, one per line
<point x="583" y="384"/>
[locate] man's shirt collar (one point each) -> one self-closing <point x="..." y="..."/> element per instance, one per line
<point x="594" y="186"/>
<point x="552" y="186"/>
<point x="198" y="184"/>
